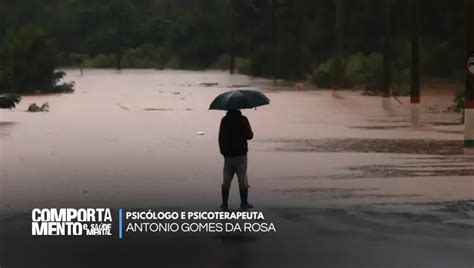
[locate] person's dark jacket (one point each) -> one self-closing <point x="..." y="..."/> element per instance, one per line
<point x="234" y="132"/>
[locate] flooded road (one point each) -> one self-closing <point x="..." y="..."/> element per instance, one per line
<point x="130" y="139"/>
<point x="346" y="183"/>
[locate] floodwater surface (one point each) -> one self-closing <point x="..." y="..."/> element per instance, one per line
<point x="130" y="139"/>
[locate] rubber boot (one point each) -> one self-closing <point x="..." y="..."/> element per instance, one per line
<point x="244" y="204"/>
<point x="225" y="199"/>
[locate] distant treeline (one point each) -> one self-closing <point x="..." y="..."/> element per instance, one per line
<point x="286" y="38"/>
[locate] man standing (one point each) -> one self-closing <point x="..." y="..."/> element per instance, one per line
<point x="234" y="132"/>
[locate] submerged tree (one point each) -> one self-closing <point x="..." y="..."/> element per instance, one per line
<point x="469" y="91"/>
<point x="338" y="72"/>
<point x="415" y="65"/>
<point x="387" y="57"/>
<point x="9" y="101"/>
<point x="28" y="62"/>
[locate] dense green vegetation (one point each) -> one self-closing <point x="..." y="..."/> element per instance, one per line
<point x="28" y="61"/>
<point x="286" y="38"/>
<point x="458" y="102"/>
<point x="9" y="101"/>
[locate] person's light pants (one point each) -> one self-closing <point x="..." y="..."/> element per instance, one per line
<point x="235" y="165"/>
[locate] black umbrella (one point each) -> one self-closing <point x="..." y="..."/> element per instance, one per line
<point x="239" y="99"/>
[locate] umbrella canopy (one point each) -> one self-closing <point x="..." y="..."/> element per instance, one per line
<point x="239" y="99"/>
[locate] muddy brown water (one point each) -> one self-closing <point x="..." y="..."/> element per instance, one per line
<point x="130" y="139"/>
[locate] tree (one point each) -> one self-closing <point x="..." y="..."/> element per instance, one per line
<point x="9" y="101"/>
<point x="338" y="73"/>
<point x="387" y="55"/>
<point x="469" y="95"/>
<point x="415" y="65"/>
<point x="28" y="62"/>
<point x="232" y="37"/>
<point x="119" y="11"/>
<point x="275" y="37"/>
<point x="298" y="16"/>
<point x="275" y="40"/>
